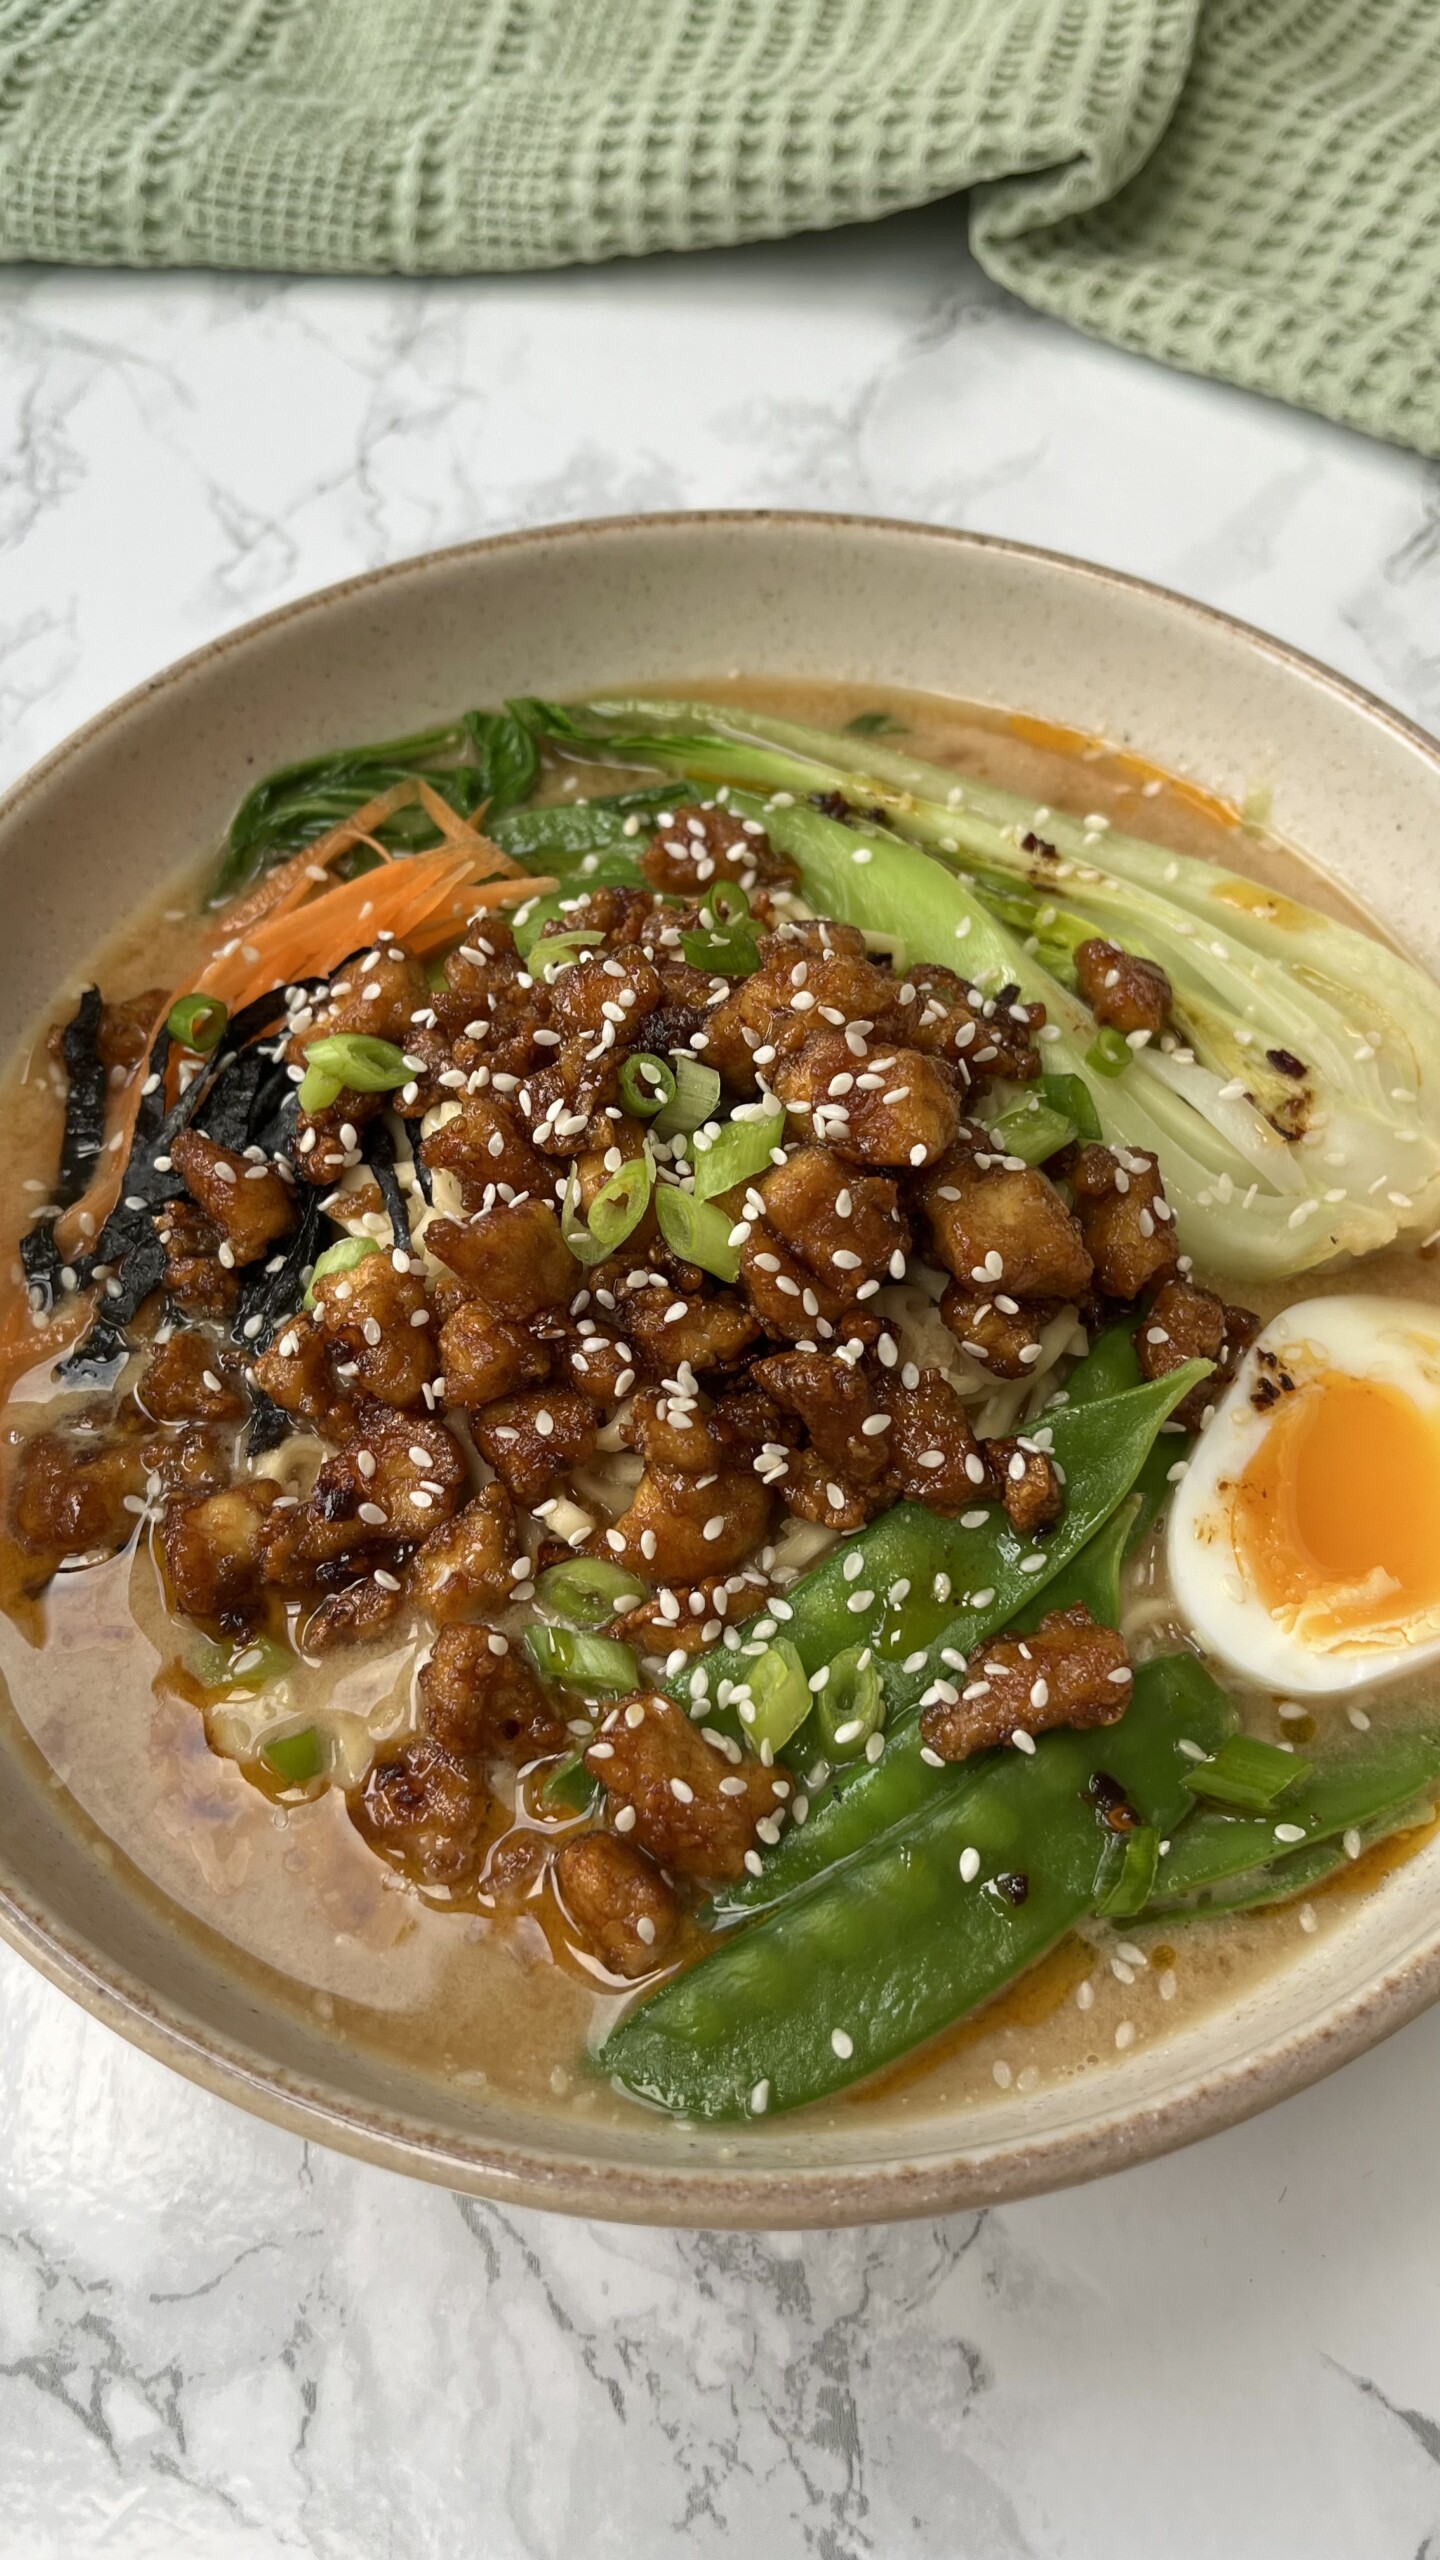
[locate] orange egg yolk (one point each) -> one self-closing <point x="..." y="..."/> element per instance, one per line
<point x="1336" y="1516"/>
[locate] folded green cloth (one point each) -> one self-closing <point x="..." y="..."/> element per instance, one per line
<point x="1249" y="188"/>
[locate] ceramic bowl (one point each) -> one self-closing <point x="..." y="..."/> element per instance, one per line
<point x="141" y="789"/>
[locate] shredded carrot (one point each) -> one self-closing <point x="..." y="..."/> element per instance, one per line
<point x="291" y="883"/>
<point x="420" y="901"/>
<point x="423" y="900"/>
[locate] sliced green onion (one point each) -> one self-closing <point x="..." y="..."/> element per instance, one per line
<point x="697" y="1090"/>
<point x="740" y="1149"/>
<point x="727" y="904"/>
<point x="339" y="1257"/>
<point x="1032" y="1131"/>
<point x="1135" y="1881"/>
<point x="364" y="1064"/>
<point x="779" y="1699"/>
<point x="316" y="1091"/>
<point x="588" y="1591"/>
<point x="582" y="1661"/>
<point x="296" y="1758"/>
<point x="349" y="1061"/>
<point x="198" y="1022"/>
<point x="621" y="1203"/>
<point x="698" y="1231"/>
<point x="615" y="1212"/>
<point x="253" y="1662"/>
<point x="1247" y="1772"/>
<point x="732" y="952"/>
<point x="557" y="951"/>
<point x="1109" y="1052"/>
<point x="570" y="1788"/>
<point x="1071" y="1097"/>
<point x="851" y="1706"/>
<point x="646" y="1084"/>
<point x="587" y="1248"/>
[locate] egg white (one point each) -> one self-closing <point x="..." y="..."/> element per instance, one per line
<point x="1391" y="1341"/>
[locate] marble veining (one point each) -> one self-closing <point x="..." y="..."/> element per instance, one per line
<point x="219" y="2343"/>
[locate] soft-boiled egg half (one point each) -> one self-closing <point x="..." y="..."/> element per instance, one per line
<point x="1304" y="1544"/>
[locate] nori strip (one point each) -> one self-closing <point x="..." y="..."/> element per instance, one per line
<point x="423" y="1174"/>
<point x="274" y="1113"/>
<point x="380" y="1157"/>
<point x="224" y="1099"/>
<point x="229" y="1104"/>
<point x="268" y="1426"/>
<point x="40" y="1262"/>
<point x="130" y="1240"/>
<point x="85" y="1097"/>
<point x="273" y="1296"/>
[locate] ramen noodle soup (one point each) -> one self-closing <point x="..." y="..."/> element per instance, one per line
<point x="734" y="1405"/>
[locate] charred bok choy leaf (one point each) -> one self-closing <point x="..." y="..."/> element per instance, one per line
<point x="484" y="760"/>
<point x="1287" y="1021"/>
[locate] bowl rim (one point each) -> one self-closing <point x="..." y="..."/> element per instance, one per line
<point x="523" y="2171"/>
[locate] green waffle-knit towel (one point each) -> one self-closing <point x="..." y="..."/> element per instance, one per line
<point x="1250" y="188"/>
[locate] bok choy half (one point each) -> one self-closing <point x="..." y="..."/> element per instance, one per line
<point x="1295" y="1106"/>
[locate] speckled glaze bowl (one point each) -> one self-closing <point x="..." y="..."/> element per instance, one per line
<point x="139" y="791"/>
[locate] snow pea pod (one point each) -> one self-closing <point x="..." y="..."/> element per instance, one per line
<point x="914" y="1566"/>
<point x="1102" y="1448"/>
<point x="1110" y="1367"/>
<point x="923" y="1925"/>
<point x="1092" y="1578"/>
<point x="1287" y="1878"/>
<point x="1358" y="1787"/>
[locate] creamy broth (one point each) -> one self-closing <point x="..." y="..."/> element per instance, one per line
<point x="94" y="1669"/>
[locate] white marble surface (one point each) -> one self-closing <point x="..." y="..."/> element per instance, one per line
<point x="218" y="2344"/>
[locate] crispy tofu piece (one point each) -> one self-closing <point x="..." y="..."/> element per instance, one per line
<point x="534" y="1441"/>
<point x="617" y="1899"/>
<point x="378" y="1322"/>
<point x="514" y="1256"/>
<point x="691" y="1807"/>
<point x="1007" y="1231"/>
<point x="248" y="1202"/>
<point x="1069" y="1672"/>
<point x="1125" y="1218"/>
<point x="479" y="1699"/>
